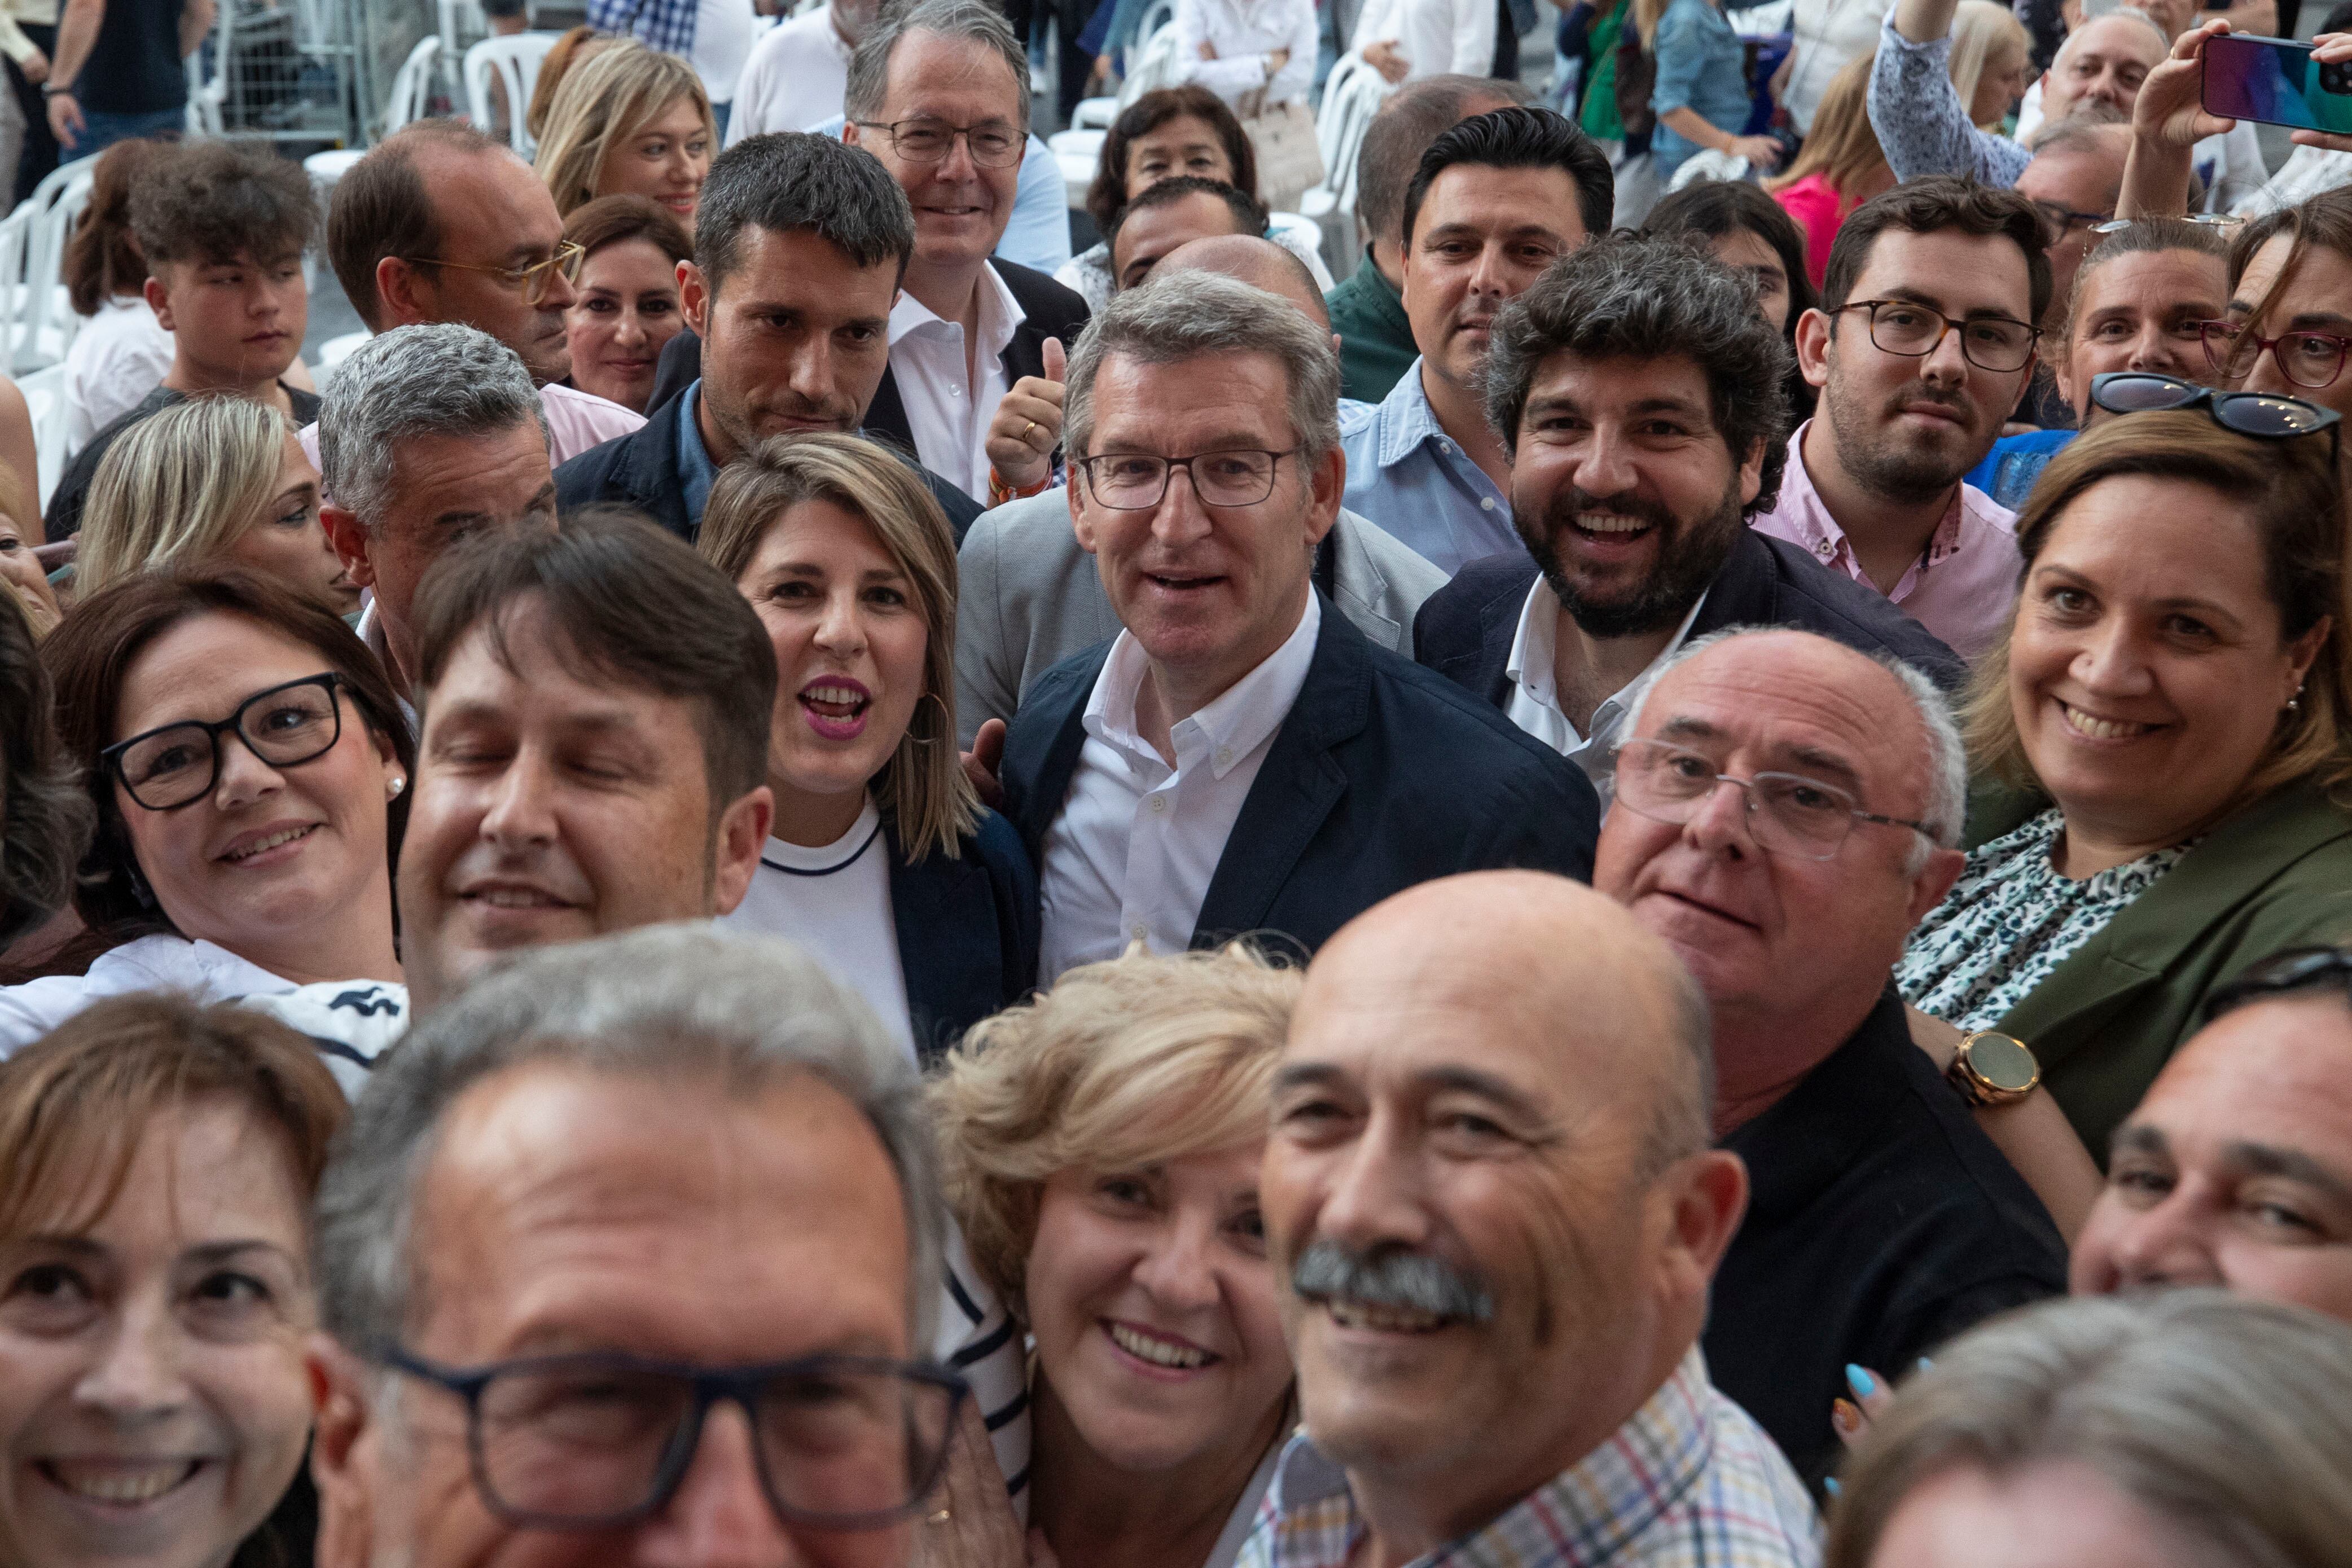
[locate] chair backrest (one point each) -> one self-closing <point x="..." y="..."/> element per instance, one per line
<point x="1352" y="94"/>
<point x="514" y="59"/>
<point x="1150" y="67"/>
<point x="44" y="400"/>
<point x="412" y="88"/>
<point x="1158" y="14"/>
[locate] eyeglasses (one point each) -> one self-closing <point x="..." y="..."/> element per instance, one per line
<point x="588" y="1441"/>
<point x="1136" y="481"/>
<point x="2309" y="360"/>
<point x="177" y="765"/>
<point x="2061" y="221"/>
<point x="2281" y="974"/>
<point x="2263" y="415"/>
<point x="532" y="280"/>
<point x="1787" y="813"/>
<point x="994" y="145"/>
<point x="1913" y="331"/>
<point x="2202" y="220"/>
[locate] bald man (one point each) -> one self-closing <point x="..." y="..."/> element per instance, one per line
<point x="1030" y="597"/>
<point x="1493" y="1215"/>
<point x="1882" y="1219"/>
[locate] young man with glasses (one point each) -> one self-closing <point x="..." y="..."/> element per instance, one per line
<point x="1240" y="757"/>
<point x="439" y="223"/>
<point x="1926" y="336"/>
<point x="1787" y="808"/>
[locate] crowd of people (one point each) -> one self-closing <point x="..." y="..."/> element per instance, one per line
<point x="1659" y="883"/>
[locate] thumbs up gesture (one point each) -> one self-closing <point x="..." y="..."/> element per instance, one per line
<point x="1028" y="424"/>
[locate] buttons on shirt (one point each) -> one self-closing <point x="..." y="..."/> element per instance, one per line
<point x="1224" y="756"/>
<point x="1159" y="802"/>
<point x="1824" y="549"/>
<point x="1486" y="503"/>
<point x="1139" y="931"/>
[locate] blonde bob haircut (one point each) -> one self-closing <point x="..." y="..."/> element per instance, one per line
<point x="922" y="788"/>
<point x="2289" y="486"/>
<point x="2228" y="1420"/>
<point x="1122" y="1065"/>
<point x="1981" y="29"/>
<point x="605" y="99"/>
<point x="179" y="487"/>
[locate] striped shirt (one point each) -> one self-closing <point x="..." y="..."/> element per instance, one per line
<point x="978" y="1338"/>
<point x="1689" y="1481"/>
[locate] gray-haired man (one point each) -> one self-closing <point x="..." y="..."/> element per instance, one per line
<point x="633" y="1200"/>
<point x="427" y="434"/>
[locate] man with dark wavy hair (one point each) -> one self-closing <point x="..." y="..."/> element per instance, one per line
<point x="1642" y="399"/>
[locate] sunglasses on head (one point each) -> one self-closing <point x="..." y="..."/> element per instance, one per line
<point x="2283" y="974"/>
<point x="2263" y="415"/>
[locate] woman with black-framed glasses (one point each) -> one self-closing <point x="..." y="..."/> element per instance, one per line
<point x="247" y="763"/>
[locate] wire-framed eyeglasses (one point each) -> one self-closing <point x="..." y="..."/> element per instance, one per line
<point x="1914" y="330"/>
<point x="994" y="145"/>
<point x="532" y="279"/>
<point x="1136" y="481"/>
<point x="1787" y="813"/>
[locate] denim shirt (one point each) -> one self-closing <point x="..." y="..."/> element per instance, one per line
<point x="1407" y="477"/>
<point x="694" y="464"/>
<point x="1702" y="66"/>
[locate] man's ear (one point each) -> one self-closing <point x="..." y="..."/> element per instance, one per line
<point x="1751" y="472"/>
<point x="1706" y="1195"/>
<point x="159" y="300"/>
<point x="345" y="1448"/>
<point x="1934" y="880"/>
<point x="694" y="298"/>
<point x="1813" y="347"/>
<point x="1328" y="483"/>
<point x="742" y="834"/>
<point x="406" y="296"/>
<point x="1080" y="523"/>
<point x="350" y="539"/>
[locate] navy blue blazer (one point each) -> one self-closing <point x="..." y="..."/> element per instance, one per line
<point x="1464" y="630"/>
<point x="1382" y="777"/>
<point x="967" y="931"/>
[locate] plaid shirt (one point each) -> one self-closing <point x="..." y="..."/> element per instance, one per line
<point x="1690" y="1482"/>
<point x="665" y="26"/>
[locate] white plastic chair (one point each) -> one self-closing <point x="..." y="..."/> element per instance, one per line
<point x="412" y="99"/>
<point x="39" y="323"/>
<point x="1352" y="96"/>
<point x="44" y="399"/>
<point x="1078" y="150"/>
<point x="513" y="60"/>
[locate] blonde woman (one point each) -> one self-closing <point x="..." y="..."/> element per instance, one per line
<point x="1099" y="1147"/>
<point x="881" y="861"/>
<point x="1839" y="168"/>
<point x="211" y="479"/>
<point x="2188" y="1427"/>
<point x="629" y="121"/>
<point x="1991" y="61"/>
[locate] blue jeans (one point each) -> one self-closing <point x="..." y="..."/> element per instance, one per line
<point x="101" y="130"/>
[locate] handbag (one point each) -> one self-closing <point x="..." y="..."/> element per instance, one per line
<point x="1290" y="160"/>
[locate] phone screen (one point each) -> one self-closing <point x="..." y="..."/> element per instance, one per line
<point x="2277" y="82"/>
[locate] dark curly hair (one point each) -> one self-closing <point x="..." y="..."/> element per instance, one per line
<point x="45" y="817"/>
<point x="90" y="656"/>
<point x="1637" y="298"/>
<point x="1107" y="195"/>
<point x="215" y="201"/>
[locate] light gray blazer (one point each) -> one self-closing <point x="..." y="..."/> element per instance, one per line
<point x="1029" y="597"/>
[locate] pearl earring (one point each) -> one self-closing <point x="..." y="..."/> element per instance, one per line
<point x="393" y="785"/>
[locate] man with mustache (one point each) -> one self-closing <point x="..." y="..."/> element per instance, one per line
<point x="1495" y="200"/>
<point x="800" y="245"/>
<point x="1925" y="338"/>
<point x="1639" y="396"/>
<point x="1786" y="810"/>
<point x="1493" y="1217"/>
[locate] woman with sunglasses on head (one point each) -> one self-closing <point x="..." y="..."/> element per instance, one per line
<point x="881" y="861"/>
<point x="247" y="763"/>
<point x="2163" y="747"/>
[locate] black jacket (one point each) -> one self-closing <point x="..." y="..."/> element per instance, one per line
<point x="1464" y="630"/>
<point x="1049" y="310"/>
<point x="967" y="931"/>
<point x="1382" y="777"/>
<point x="640" y="470"/>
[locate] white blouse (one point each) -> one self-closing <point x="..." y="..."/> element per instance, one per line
<point x="1244" y="34"/>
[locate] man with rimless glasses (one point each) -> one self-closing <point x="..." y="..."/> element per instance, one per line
<point x="1787" y="808"/>
<point x="1924" y="338"/>
<point x="630" y="1256"/>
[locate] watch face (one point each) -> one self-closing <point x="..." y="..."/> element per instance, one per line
<point x="2002" y="1062"/>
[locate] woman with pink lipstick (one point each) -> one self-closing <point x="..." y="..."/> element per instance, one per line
<point x="881" y="861"/>
<point x="1099" y="1146"/>
<point x="155" y="1288"/>
<point x="2164" y="755"/>
<point x="629" y="121"/>
<point x="248" y="762"/>
<point x="625" y="304"/>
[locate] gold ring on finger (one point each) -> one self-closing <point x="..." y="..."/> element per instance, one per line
<point x="1026" y="429"/>
<point x="940" y="1518"/>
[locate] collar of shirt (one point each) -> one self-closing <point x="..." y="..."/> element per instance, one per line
<point x="1535" y="692"/>
<point x="1808" y="523"/>
<point x="1589" y="1513"/>
<point x="1000" y="313"/>
<point x="1407" y="423"/>
<point x="696" y="472"/>
<point x="1224" y="732"/>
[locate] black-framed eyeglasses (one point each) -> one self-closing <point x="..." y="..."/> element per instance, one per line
<point x="1136" y="481"/>
<point x="2308" y="359"/>
<point x="994" y="145"/>
<point x="2265" y="416"/>
<point x="1787" y="813"/>
<point x="2281" y="974"/>
<point x="532" y="280"/>
<point x="176" y="764"/>
<point x="2061" y="221"/>
<point x="592" y="1440"/>
<point x="1907" y="328"/>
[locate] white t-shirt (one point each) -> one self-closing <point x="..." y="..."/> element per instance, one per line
<point x="835" y="902"/>
<point x="723" y="34"/>
<point x="160" y="963"/>
<point x="795" y="79"/>
<point x="120" y="355"/>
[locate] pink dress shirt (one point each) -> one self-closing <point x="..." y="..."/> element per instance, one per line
<point x="1963" y="590"/>
<point x="576" y="420"/>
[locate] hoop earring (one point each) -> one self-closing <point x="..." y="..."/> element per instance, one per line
<point x="947" y="723"/>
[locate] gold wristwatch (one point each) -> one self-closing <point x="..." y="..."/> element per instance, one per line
<point x="1993" y="1069"/>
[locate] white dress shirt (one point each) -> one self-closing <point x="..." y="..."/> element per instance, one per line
<point x="1434" y="35"/>
<point x="1130" y="855"/>
<point x="950" y="395"/>
<point x="834" y="901"/>
<point x="1245" y="33"/>
<point x="1535" y="697"/>
<point x="795" y="79"/>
